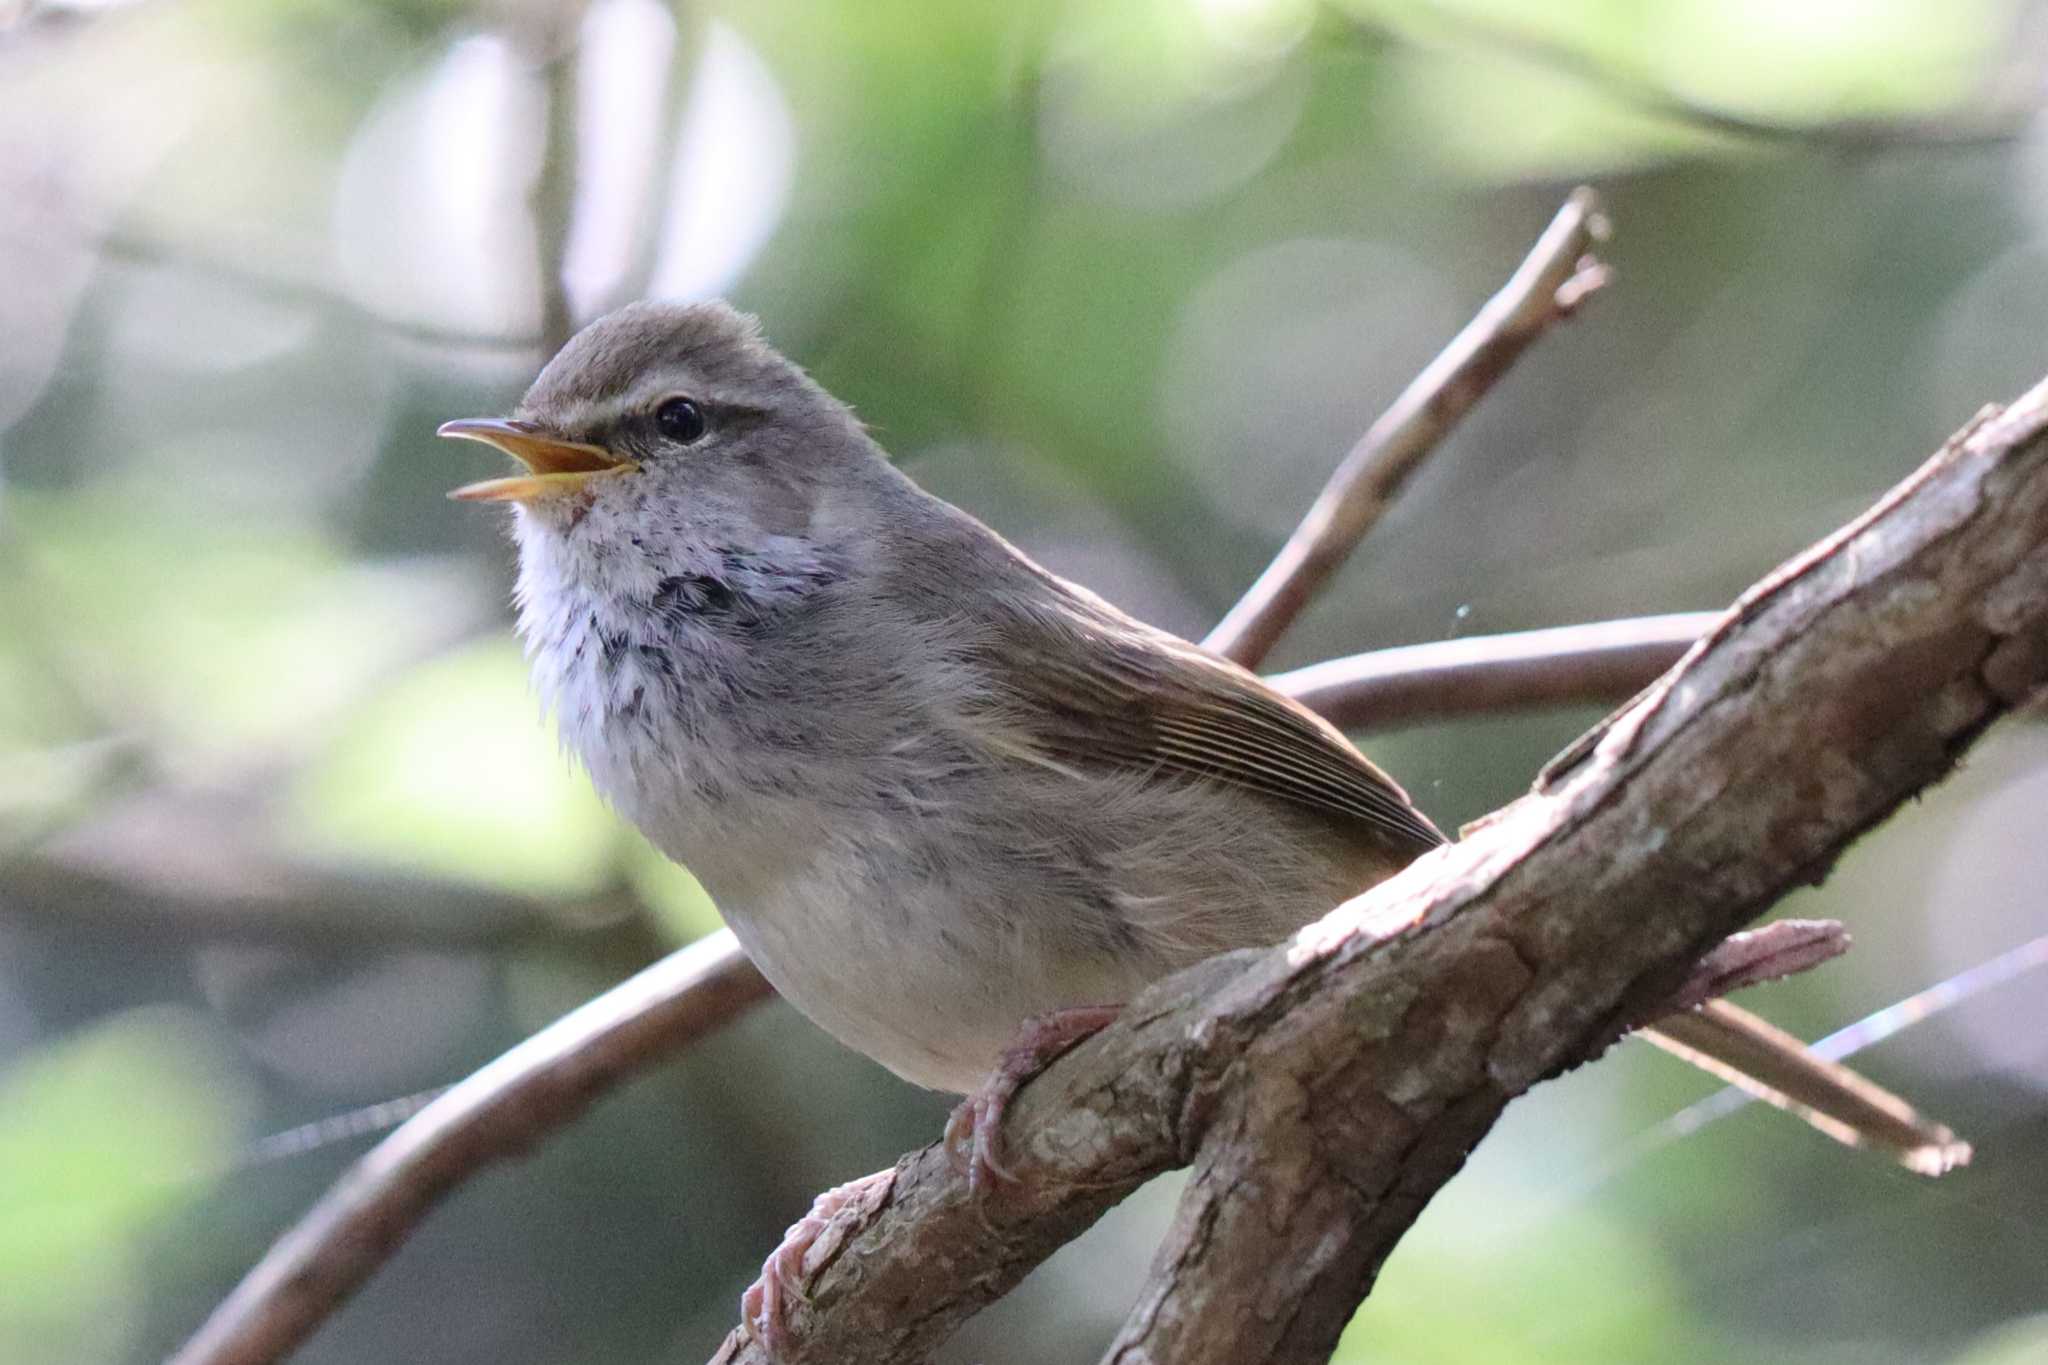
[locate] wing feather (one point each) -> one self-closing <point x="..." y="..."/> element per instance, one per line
<point x="1083" y="685"/>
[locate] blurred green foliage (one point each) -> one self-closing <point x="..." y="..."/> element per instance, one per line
<point x="103" y="1134"/>
<point x="1124" y="277"/>
<point x="1622" y="1293"/>
<point x="448" y="771"/>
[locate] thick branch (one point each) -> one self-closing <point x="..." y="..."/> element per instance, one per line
<point x="1548" y="286"/>
<point x="1325" y="1089"/>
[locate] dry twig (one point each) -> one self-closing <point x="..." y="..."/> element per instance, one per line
<point x="1554" y="280"/>
<point x="243" y="896"/>
<point x="1597" y="663"/>
<point x="501" y="1110"/>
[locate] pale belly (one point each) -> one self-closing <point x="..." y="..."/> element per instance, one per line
<point x="909" y="974"/>
<point x="925" y="933"/>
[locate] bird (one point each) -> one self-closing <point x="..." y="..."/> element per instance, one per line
<point x="956" y="808"/>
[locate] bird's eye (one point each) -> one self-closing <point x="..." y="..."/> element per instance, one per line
<point x="680" y="419"/>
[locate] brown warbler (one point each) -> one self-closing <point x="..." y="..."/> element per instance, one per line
<point x="956" y="808"/>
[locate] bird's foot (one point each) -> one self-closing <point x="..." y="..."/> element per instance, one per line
<point x="764" y="1307"/>
<point x="974" y="1132"/>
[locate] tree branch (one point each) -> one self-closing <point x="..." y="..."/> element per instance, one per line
<point x="120" y="867"/>
<point x="1325" y="1089"/>
<point x="1548" y="286"/>
<point x="500" y="1110"/>
<point x="1598" y="663"/>
<point x="243" y="896"/>
<point x="132" y="249"/>
<point x="554" y="188"/>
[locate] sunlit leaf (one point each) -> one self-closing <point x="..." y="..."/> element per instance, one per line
<point x="212" y="639"/>
<point x="101" y="1136"/>
<point x="1479" y="1281"/>
<point x="679" y="902"/>
<point x="454" y="770"/>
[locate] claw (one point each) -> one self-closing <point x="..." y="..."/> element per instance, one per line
<point x="974" y="1133"/>
<point x="764" y="1307"/>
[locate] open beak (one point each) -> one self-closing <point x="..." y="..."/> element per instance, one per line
<point x="557" y="466"/>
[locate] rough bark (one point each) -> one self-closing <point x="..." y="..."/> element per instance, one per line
<point x="1325" y="1089"/>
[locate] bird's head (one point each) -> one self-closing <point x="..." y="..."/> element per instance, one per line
<point x="673" y="425"/>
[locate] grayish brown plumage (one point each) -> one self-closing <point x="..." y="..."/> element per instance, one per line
<point x="934" y="788"/>
<point x="946" y="800"/>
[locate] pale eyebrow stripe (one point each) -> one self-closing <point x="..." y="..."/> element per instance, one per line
<point x="643" y="396"/>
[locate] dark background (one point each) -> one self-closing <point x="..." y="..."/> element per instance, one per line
<point x="282" y="833"/>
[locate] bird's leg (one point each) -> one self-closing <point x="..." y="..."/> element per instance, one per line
<point x="763" y="1308"/>
<point x="974" y="1134"/>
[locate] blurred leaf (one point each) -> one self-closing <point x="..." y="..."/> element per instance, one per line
<point x="1464" y="1288"/>
<point x="2024" y="1342"/>
<point x="454" y="770"/>
<point x="101" y="1135"/>
<point x="1509" y="89"/>
<point x="679" y="902"/>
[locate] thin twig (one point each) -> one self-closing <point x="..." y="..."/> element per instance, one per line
<point x="136" y="250"/>
<point x="498" y="1112"/>
<point x="1729" y="1042"/>
<point x="1557" y="276"/>
<point x="1597" y="663"/>
<point x="249" y="894"/>
<point x="553" y="43"/>
<point x="1847" y="1041"/>
<point x="554" y="195"/>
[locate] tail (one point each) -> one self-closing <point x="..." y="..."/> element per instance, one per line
<point x="1754" y="1055"/>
